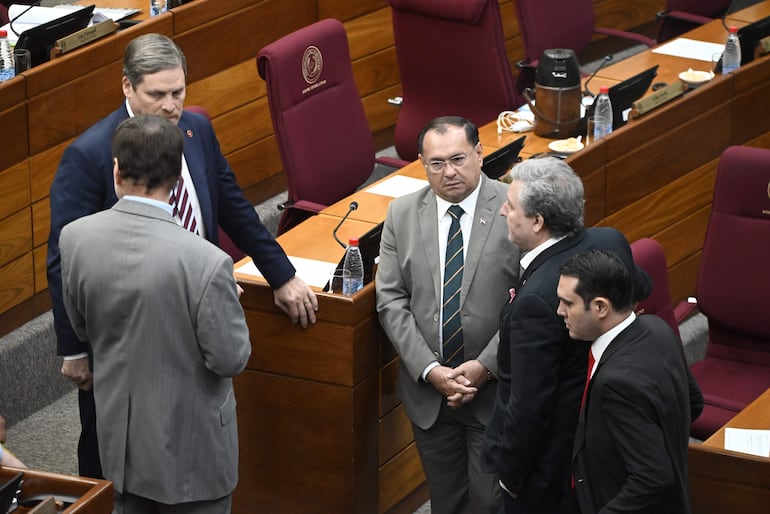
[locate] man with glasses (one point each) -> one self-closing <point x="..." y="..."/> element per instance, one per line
<point x="445" y="270"/>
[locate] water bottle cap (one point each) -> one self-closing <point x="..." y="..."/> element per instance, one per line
<point x="3" y="33"/>
<point x="353" y="241"/>
<point x="733" y="29"/>
<point x="604" y="89"/>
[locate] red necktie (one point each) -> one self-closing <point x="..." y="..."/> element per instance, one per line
<point x="183" y="210"/>
<point x="591" y="362"/>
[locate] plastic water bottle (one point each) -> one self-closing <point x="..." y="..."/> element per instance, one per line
<point x="602" y="113"/>
<point x="731" y="58"/>
<point x="353" y="263"/>
<point x="6" y="57"/>
<point x="158" y="7"/>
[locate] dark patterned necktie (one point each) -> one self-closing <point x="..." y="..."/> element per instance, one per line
<point x="451" y="324"/>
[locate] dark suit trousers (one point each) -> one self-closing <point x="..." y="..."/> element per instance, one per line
<point x="89" y="464"/>
<point x="449" y="451"/>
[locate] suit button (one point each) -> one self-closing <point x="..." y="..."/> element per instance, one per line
<point x="435" y="317"/>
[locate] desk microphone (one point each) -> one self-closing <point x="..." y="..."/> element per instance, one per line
<point x="353" y="207"/>
<point x="586" y="91"/>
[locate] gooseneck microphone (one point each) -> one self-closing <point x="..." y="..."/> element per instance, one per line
<point x="353" y="207"/>
<point x="586" y="91"/>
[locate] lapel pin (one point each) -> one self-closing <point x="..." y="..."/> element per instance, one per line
<point x="189" y="133"/>
<point x="483" y="221"/>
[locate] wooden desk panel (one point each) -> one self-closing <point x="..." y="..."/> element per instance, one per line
<point x="95" y="496"/>
<point x="726" y="481"/>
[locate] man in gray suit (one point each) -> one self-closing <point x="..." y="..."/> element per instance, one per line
<point x="160" y="308"/>
<point x="448" y="386"/>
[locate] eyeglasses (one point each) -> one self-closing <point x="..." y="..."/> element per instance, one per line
<point x="456" y="161"/>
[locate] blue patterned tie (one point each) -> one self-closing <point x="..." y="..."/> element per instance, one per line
<point x="451" y="324"/>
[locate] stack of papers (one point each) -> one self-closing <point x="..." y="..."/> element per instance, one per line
<point x="38" y="15"/>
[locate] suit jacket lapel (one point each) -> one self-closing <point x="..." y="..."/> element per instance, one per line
<point x="474" y="248"/>
<point x="429" y="236"/>
<point x="196" y="165"/>
<point x="567" y="242"/>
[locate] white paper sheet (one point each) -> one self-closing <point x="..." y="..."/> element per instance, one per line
<point x="398" y="185"/>
<point x="312" y="272"/>
<point x="753" y="442"/>
<point x="690" y="49"/>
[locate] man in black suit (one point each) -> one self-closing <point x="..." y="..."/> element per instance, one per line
<point x="630" y="450"/>
<point x="541" y="371"/>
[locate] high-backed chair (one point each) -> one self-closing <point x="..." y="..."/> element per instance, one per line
<point x="732" y="289"/>
<point x="225" y="243"/>
<point x="681" y="16"/>
<point x="322" y="132"/>
<point x="569" y="24"/>
<point x="648" y="255"/>
<point x="452" y="59"/>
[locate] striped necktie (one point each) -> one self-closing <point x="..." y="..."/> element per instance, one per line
<point x="451" y="324"/>
<point x="183" y="210"/>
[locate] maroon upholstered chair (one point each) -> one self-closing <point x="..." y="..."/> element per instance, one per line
<point x="569" y="24"/>
<point x="732" y="289"/>
<point x="322" y="132"/>
<point x="681" y="16"/>
<point x="648" y="255"/>
<point x="3" y="15"/>
<point x="453" y="61"/>
<point x="225" y="243"/>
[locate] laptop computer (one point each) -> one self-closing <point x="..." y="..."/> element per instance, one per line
<point x="41" y="39"/>
<point x="500" y="162"/>
<point x="622" y="96"/>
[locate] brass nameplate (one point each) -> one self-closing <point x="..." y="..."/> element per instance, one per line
<point x="84" y="36"/>
<point x="658" y="98"/>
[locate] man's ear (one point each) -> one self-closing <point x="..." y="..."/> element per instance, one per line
<point x="602" y="306"/>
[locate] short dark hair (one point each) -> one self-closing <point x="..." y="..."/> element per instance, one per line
<point x="149" y="151"/>
<point x="441" y="124"/>
<point x="601" y="273"/>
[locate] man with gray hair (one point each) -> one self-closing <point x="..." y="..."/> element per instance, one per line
<point x="541" y="371"/>
<point x="207" y="197"/>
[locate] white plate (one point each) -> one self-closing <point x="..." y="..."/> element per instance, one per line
<point x="565" y="145"/>
<point x="695" y="78"/>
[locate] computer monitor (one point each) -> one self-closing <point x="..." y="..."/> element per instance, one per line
<point x="750" y="35"/>
<point x="40" y="40"/>
<point x="623" y="95"/>
<point x="500" y="162"/>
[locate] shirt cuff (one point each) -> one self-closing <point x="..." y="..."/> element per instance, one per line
<point x="75" y="357"/>
<point x="427" y="370"/>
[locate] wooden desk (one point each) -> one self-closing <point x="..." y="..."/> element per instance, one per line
<point x="726" y="481"/>
<point x="96" y="496"/>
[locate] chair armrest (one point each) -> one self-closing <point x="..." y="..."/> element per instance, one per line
<point x="524" y="64"/>
<point x="681" y="15"/>
<point x="626" y="35"/>
<point x="393" y="162"/>
<point x="303" y="205"/>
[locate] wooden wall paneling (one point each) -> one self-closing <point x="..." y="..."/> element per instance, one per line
<point x="254" y="164"/>
<point x="243" y="126"/>
<point x="228" y="89"/>
<point x="15" y="129"/>
<point x="365" y="473"/>
<point x="41" y="222"/>
<point x="376" y="71"/>
<point x="395" y="433"/>
<point x="42" y="168"/>
<point x="14" y="187"/>
<point x="402" y="473"/>
<point x="683" y="276"/>
<point x="18" y="282"/>
<point x="667" y="205"/>
<point x="685" y="237"/>
<point x="751" y="111"/>
<point x="239" y="33"/>
<point x="13" y="92"/>
<point x="649" y="166"/>
<point x="295" y="425"/>
<point x="390" y="397"/>
<point x="626" y="14"/>
<point x="370" y="33"/>
<point x="379" y="113"/>
<point x="15" y="235"/>
<point x="39" y="256"/>
<point x="344" y="10"/>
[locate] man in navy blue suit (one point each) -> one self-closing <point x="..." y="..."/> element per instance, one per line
<point x="154" y="82"/>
